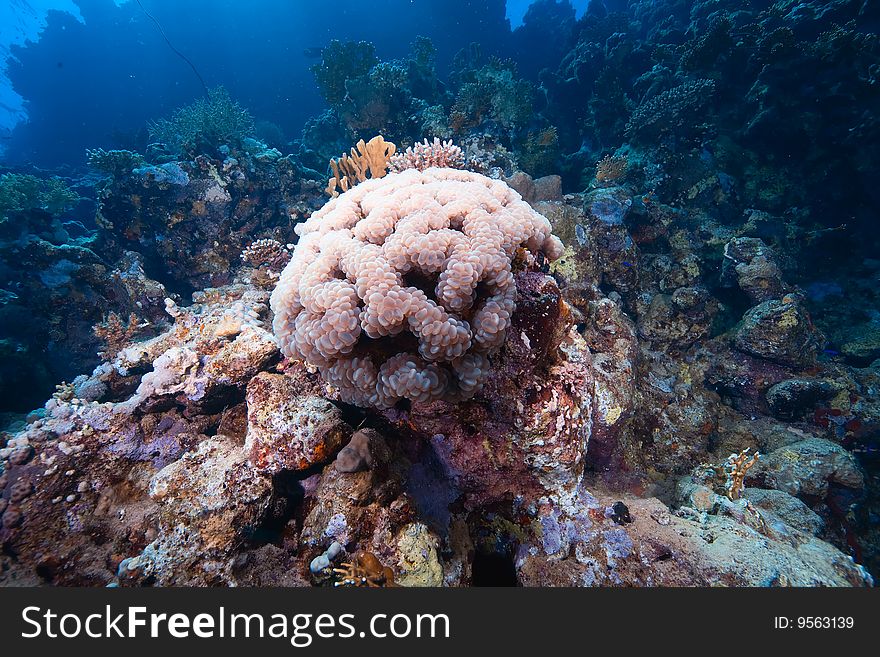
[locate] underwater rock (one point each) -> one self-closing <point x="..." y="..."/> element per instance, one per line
<point x="808" y="468"/>
<point x="547" y="188"/>
<point x="609" y="205"/>
<point x="536" y="190"/>
<point x="356" y="455"/>
<point x="289" y="428"/>
<point x="675" y="422"/>
<point x="786" y="509"/>
<point x="209" y="502"/>
<point x="418" y="561"/>
<point x="860" y="345"/>
<point x="613" y="345"/>
<point x="660" y="548"/>
<point x="794" y="398"/>
<point x="579" y="267"/>
<point x="781" y="331"/>
<point x="91" y="460"/>
<point x="751" y="264"/>
<point x="207" y="378"/>
<point x="679" y="319"/>
<point x="362" y="509"/>
<point x="596" y="253"/>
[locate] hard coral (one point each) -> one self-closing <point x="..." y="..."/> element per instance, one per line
<point x="401" y="287"/>
<point x="370" y="158"/>
<point x="116" y="334"/>
<point x="611" y="168"/>
<point x="266" y="253"/>
<point x="20" y="192"/>
<point x="341" y="62"/>
<point x="206" y="123"/>
<point x="423" y="156"/>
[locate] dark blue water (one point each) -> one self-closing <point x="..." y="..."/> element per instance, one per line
<point x="96" y="82"/>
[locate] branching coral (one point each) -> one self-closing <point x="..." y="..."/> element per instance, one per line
<point x="116" y="334"/>
<point x="403" y="286"/>
<point x="25" y="192"/>
<point x="731" y="474"/>
<point x="19" y="191"/>
<point x="438" y="153"/>
<point x="206" y="123"/>
<point x="57" y="197"/>
<point x="364" y="570"/>
<point x="670" y="110"/>
<point x="114" y="163"/>
<point x="370" y="158"/>
<point x="539" y="152"/>
<point x="267" y="257"/>
<point x="495" y="92"/>
<point x="611" y="168"/>
<point x="341" y="62"/>
<point x="266" y="253"/>
<point x="735" y="468"/>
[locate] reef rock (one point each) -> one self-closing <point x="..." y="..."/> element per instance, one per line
<point x="659" y="548"/>
<point x="752" y="265"/>
<point x="288" y="428"/>
<point x="781" y="331"/>
<point x="808" y="468"/>
<point x="210" y="502"/>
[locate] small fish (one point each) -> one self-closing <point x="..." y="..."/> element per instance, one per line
<point x="626" y="263"/>
<point x="830" y="352"/>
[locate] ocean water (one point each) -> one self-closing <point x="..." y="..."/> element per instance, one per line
<point x="710" y="168"/>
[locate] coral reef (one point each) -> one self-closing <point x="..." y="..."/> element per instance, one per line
<point x="443" y="154"/>
<point x="195" y="217"/>
<point x="23" y="192"/>
<point x="610" y="337"/>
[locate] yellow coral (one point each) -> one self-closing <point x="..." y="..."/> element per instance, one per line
<point x="789" y="319"/>
<point x="372" y="157"/>
<point x="613" y="415"/>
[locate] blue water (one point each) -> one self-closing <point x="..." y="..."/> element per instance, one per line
<point x="93" y="71"/>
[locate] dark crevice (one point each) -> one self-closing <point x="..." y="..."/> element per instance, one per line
<point x="493" y="569"/>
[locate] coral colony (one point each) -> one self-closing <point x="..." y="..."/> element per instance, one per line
<point x="587" y="325"/>
<point x="357" y="267"/>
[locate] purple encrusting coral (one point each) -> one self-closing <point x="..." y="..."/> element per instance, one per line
<point x="165" y="447"/>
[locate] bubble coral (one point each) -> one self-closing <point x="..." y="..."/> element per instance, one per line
<point x="401" y="287"/>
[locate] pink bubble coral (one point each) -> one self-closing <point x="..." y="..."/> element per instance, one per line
<point x="402" y="287"/>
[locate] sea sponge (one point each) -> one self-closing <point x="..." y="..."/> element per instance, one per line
<point x="401" y="287"/>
